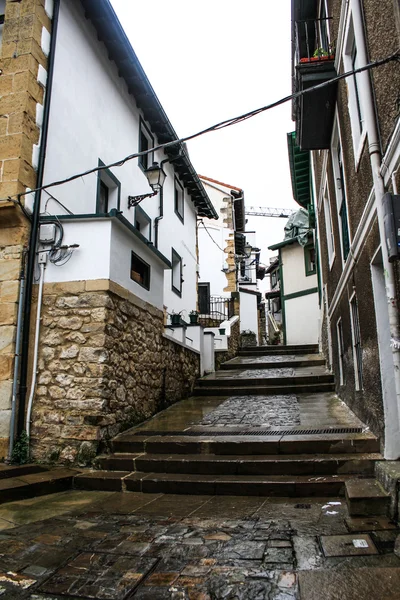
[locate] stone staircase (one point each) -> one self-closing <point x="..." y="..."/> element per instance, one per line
<point x="28" y="481"/>
<point x="322" y="455"/>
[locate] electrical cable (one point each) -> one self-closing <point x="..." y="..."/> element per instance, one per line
<point x="218" y="246"/>
<point x="223" y="124"/>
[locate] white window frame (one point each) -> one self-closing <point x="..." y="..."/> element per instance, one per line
<point x="337" y="138"/>
<point x="355" y="107"/>
<point x="357" y="367"/>
<point x="339" y="335"/>
<point x="330" y="238"/>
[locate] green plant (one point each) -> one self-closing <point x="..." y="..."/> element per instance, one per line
<point x="320" y="52"/>
<point x="247" y="332"/>
<point x="20" y="453"/>
<point x="194" y="312"/>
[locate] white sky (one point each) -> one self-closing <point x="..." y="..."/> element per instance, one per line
<point x="211" y="60"/>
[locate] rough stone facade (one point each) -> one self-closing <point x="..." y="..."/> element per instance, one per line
<point x="104" y="366"/>
<point x="233" y="346"/>
<point x="20" y="94"/>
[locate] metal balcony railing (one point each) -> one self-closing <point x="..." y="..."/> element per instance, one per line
<point x="218" y="309"/>
<point x="314" y="40"/>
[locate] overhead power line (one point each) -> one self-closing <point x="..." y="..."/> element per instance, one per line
<point x="227" y="123"/>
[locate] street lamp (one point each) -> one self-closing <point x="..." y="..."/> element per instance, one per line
<point x="247" y="250"/>
<point x="156" y="177"/>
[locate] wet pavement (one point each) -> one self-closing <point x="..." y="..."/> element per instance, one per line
<point x="151" y="546"/>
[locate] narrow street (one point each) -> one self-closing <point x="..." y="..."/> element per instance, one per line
<point x="237" y="497"/>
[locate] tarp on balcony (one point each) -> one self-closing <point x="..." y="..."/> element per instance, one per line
<point x="299" y="161"/>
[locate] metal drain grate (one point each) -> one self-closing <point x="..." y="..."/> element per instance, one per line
<point x="250" y="432"/>
<point x="304" y="506"/>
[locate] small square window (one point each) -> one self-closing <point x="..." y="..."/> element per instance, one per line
<point x="1" y="25"/>
<point x="143" y="222"/>
<point x="179" y="199"/>
<point x="108" y="191"/>
<point x="146" y="141"/>
<point x="176" y="273"/>
<point x="310" y="260"/>
<point x="140" y="271"/>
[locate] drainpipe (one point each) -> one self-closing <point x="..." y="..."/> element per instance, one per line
<point x="17" y="355"/>
<point x="392" y="441"/>
<point x="33" y="239"/>
<point x="43" y="260"/>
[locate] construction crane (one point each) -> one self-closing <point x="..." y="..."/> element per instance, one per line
<point x="262" y="211"/>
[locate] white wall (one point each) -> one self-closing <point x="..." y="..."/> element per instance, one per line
<point x="301" y="319"/>
<point x="248" y="312"/>
<point x="294" y="270"/>
<point x="211" y="259"/>
<point x="93" y="117"/>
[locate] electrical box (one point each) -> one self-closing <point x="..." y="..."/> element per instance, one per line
<point x="391" y="221"/>
<point x="47" y="233"/>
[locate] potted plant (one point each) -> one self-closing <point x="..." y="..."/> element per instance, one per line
<point x="175" y="318"/>
<point x="320" y="54"/>
<point x="222" y="331"/>
<point x="194" y="317"/>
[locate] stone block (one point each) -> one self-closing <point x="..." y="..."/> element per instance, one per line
<point x="7" y="337"/>
<point x="6" y="84"/>
<point x="6" y="366"/>
<point x="8" y="314"/>
<point x="97" y="355"/>
<point x="388" y="474"/>
<point x="95" y="285"/>
<point x="9" y="291"/>
<point x="13" y="235"/>
<point x="71" y="287"/>
<point x="3" y="124"/>
<point x="73" y="323"/>
<point x="69" y="352"/>
<point x="9" y="269"/>
<point x="5" y="416"/>
<point x="5" y="394"/>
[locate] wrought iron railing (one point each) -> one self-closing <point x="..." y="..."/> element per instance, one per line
<point x="217" y="310"/>
<point x="314" y="40"/>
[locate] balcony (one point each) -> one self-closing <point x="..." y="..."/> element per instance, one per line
<point x="314" y="63"/>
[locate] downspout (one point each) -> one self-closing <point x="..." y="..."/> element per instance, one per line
<point x="33" y="239"/>
<point x="36" y="345"/>
<point x="17" y="356"/>
<point x="392" y="438"/>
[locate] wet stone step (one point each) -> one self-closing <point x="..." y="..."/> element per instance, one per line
<point x="258" y="465"/>
<point x="229" y="388"/>
<point x="101" y="480"/>
<point x="366" y="497"/>
<point x="279" y="486"/>
<point x="229" y="380"/>
<point x="279" y="350"/>
<point x="266" y="363"/>
<point x="7" y="471"/>
<point x="247" y="445"/>
<point x="36" y="484"/>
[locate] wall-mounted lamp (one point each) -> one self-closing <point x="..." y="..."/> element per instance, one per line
<point x="247" y="250"/>
<point x="156" y="177"/>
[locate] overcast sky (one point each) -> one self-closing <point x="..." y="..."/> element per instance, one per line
<point x="211" y="60"/>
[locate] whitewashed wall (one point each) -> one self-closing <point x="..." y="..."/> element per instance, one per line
<point x="211" y="259"/>
<point x="301" y="317"/>
<point x="294" y="271"/>
<point x="248" y="312"/>
<point x="94" y="117"/>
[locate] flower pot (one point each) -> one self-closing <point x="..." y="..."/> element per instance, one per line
<point x="222" y="331"/>
<point x="194" y="319"/>
<point x="175" y="319"/>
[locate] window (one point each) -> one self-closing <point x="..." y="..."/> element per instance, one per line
<point x="179" y="199"/>
<point x="143" y="222"/>
<point x="356" y="339"/>
<point x="351" y="62"/>
<point x="146" y="141"/>
<point x="339" y="332"/>
<point x="309" y="260"/>
<point x="274" y="279"/>
<point x="330" y="240"/>
<point x="204" y="298"/>
<point x="176" y="273"/>
<point x="340" y="188"/>
<point x="140" y="271"/>
<point x="108" y="191"/>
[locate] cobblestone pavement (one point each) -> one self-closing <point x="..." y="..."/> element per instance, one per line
<point x="273" y="411"/>
<point x="152" y="547"/>
<point x="262" y="373"/>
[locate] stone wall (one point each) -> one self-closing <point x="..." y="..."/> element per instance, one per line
<point x="233" y="347"/>
<point x="20" y="95"/>
<point x="104" y="366"/>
